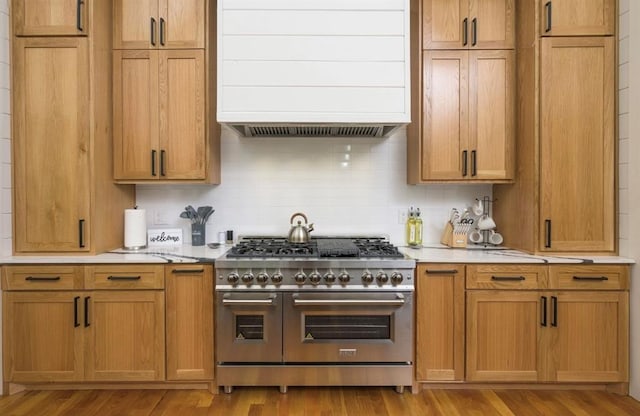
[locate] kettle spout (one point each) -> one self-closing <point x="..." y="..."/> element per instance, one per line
<point x="309" y="228"/>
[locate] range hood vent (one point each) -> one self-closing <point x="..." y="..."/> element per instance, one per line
<point x="313" y="68"/>
<point x="310" y="130"/>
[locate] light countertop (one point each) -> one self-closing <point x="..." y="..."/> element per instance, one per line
<point x="426" y="254"/>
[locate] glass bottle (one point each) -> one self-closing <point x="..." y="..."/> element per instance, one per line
<point x="418" y="227"/>
<point x="411" y="228"/>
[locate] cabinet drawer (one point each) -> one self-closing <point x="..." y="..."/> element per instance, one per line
<point x="130" y="276"/>
<point x="593" y="277"/>
<point x="506" y="277"/>
<point x="42" y="277"/>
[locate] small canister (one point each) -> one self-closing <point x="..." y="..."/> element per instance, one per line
<point x="230" y="237"/>
<point x="222" y="237"/>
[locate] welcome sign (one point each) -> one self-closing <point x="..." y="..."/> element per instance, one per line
<point x="164" y="237"/>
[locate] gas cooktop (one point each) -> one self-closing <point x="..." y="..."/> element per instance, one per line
<point x="317" y="247"/>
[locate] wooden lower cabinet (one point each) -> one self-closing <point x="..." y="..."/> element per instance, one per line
<point x="189" y="295"/>
<point x="577" y="335"/>
<point x="440" y="322"/>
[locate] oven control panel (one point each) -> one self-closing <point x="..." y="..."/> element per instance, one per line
<point x="314" y="279"/>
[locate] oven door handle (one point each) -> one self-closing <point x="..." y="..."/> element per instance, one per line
<point x="398" y="301"/>
<point x="226" y="300"/>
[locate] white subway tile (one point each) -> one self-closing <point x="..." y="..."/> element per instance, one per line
<point x="4" y="101"/>
<point x="623" y="126"/>
<point x="623" y="76"/>
<point x="623" y="201"/>
<point x="623" y="50"/>
<point x="4" y="51"/>
<point x="5" y="126"/>
<point x="5" y="175"/>
<point x="623" y="26"/>
<point x="623" y="6"/>
<point x="5" y="151"/>
<point x="623" y="224"/>
<point x="6" y="246"/>
<point x="5" y="225"/>
<point x="624" y="248"/>
<point x="623" y="151"/>
<point x="4" y="6"/>
<point x="623" y="101"/>
<point x="5" y="201"/>
<point x="623" y="176"/>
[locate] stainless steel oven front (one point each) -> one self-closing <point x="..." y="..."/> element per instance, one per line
<point x="348" y="327"/>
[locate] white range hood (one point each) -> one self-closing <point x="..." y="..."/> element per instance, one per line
<point x="313" y="67"/>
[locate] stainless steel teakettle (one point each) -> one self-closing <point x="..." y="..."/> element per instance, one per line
<point x="300" y="233"/>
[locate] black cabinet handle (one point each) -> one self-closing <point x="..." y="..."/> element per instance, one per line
<point x="547" y="9"/>
<point x="186" y="271"/>
<point x="124" y="277"/>
<point x="86" y="312"/>
<point x="453" y="271"/>
<point x="163" y="157"/>
<point x="592" y="278"/>
<point x="79" y="5"/>
<point x="465" y="34"/>
<point x="473" y="163"/>
<point x="464" y="163"/>
<point x="76" y="321"/>
<point x="81" y="233"/>
<point x="162" y="31"/>
<point x="543" y="310"/>
<point x="42" y="278"/>
<point x="508" y="278"/>
<point x="153" y="163"/>
<point x="547" y="233"/>
<point x="474" y="32"/>
<point x="153" y="31"/>
<point x="554" y="306"/>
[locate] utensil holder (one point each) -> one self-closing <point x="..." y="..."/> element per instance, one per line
<point x="198" y="234"/>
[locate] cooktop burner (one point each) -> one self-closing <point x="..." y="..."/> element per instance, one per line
<point x="318" y="247"/>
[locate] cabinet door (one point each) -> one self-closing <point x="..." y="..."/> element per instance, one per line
<point x="492" y="114"/>
<point x="135" y="24"/>
<point x="182" y="23"/>
<point x="51" y="145"/>
<point x="577" y="17"/>
<point x="440" y="323"/>
<point x="189" y="293"/>
<point x="445" y="133"/>
<point x="42" y="336"/>
<point x="591" y="337"/>
<point x="125" y="335"/>
<point x="577" y="144"/>
<point x="49" y="17"/>
<point x="503" y="332"/>
<point x="135" y="114"/>
<point x="464" y="24"/>
<point x="182" y="114"/>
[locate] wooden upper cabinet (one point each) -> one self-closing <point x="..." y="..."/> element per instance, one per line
<point x="469" y="115"/>
<point x="577" y="144"/>
<point x="577" y="17"/>
<point x="151" y="24"/>
<point x="51" y="147"/>
<point x="468" y="24"/>
<point x="50" y="17"/>
<point x="159" y="115"/>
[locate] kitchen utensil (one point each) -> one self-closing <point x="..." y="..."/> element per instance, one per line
<point x="300" y="233"/>
<point x="486" y="223"/>
<point x="477" y="207"/>
<point x="475" y="236"/>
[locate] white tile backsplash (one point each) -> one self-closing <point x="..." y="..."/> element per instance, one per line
<point x="5" y="176"/>
<point x="5" y="225"/>
<point x="343" y="185"/>
<point x="623" y="25"/>
<point x="5" y="204"/>
<point x="623" y="6"/>
<point x="623" y="76"/>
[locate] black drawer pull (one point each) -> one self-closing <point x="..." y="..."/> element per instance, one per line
<point x="79" y="5"/>
<point x="162" y="31"/>
<point x="86" y="311"/>
<point x="547" y="233"/>
<point x="124" y="277"/>
<point x="453" y="271"/>
<point x="163" y="156"/>
<point x="153" y="31"/>
<point x="543" y="310"/>
<point x="81" y="233"/>
<point x="464" y="163"/>
<point x="474" y="32"/>
<point x="547" y="8"/>
<point x="76" y="321"/>
<point x="508" y="278"/>
<point x="592" y="278"/>
<point x="187" y="271"/>
<point x="465" y="34"/>
<point x="153" y="163"/>
<point x="42" y="278"/>
<point x="474" y="170"/>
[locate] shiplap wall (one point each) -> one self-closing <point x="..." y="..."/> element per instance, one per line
<point x="313" y="61"/>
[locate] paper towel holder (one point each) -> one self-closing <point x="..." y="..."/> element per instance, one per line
<point x="135" y="229"/>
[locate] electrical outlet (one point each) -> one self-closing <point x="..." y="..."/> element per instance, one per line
<point x="402" y="216"/>
<point x="160" y="217"/>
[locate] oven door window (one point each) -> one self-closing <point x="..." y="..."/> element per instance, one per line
<point x="249" y="327"/>
<point x="349" y="327"/>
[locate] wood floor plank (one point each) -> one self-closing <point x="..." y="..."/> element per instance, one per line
<point x="322" y="401"/>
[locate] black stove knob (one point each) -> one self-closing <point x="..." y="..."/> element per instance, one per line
<point x="344" y="277"/>
<point x="329" y="277"/>
<point x="396" y="278"/>
<point x="276" y="277"/>
<point x="382" y="278"/>
<point x="300" y="277"/>
<point x="247" y="277"/>
<point x="315" y="278"/>
<point x="262" y="278"/>
<point x="367" y="277"/>
<point x="233" y="278"/>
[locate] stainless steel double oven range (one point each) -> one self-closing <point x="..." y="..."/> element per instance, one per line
<point x="334" y="311"/>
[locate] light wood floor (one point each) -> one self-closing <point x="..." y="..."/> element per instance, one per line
<point x="317" y="401"/>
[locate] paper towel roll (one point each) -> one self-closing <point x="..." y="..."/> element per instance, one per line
<point x="135" y="228"/>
